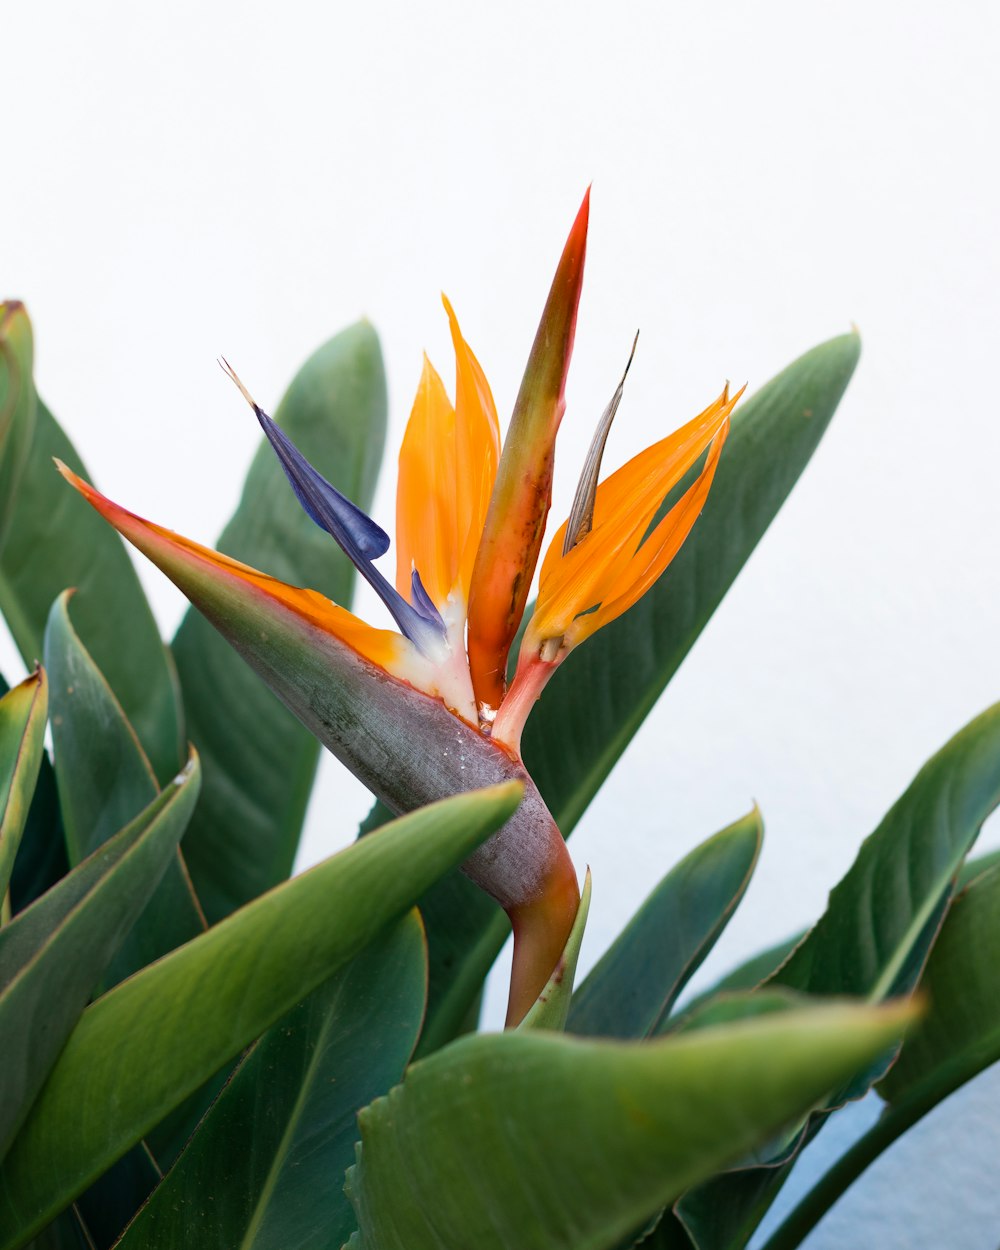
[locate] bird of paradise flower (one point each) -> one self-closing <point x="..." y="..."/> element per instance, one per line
<point x="427" y="711"/>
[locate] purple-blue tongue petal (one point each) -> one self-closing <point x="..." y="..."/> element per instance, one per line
<point x="356" y="533"/>
<point x="422" y="600"/>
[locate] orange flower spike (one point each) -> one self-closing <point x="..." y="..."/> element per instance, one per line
<point x="447" y="466"/>
<point x="613" y="564"/>
<point x="477" y="451"/>
<point x="512" y="535"/>
<point x="426" y="520"/>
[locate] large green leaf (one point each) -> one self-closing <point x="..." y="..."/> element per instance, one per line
<point x="882" y="918"/>
<point x="873" y="939"/>
<point x="259" y="761"/>
<point x="265" y="1169"/>
<point x="600" y="696"/>
<point x="105" y="780"/>
<point x="958" y="1037"/>
<point x="140" y="1049"/>
<point x="632" y="988"/>
<point x="55" y="542"/>
<point x="53" y="954"/>
<point x="534" y="1141"/>
<point x="18" y="406"/>
<point x="23" y="713"/>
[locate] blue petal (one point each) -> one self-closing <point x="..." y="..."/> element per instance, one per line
<point x="331" y="510"/>
<point x="357" y="534"/>
<point x="422" y="601"/>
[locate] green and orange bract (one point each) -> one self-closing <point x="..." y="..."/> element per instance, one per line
<point x="425" y="712"/>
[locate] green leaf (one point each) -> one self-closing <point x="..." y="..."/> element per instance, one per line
<point x="753" y="971"/>
<point x="17" y="405"/>
<point x="960" y="1034"/>
<point x="41" y="858"/>
<point x="631" y="990"/>
<point x="536" y="1141"/>
<point x="873" y="939"/>
<point x="265" y="1169"/>
<point x="55" y="542"/>
<point x="668" y="1234"/>
<point x="259" y="761"/>
<point x="140" y="1049"/>
<point x="973" y="868"/>
<point x="958" y="1037"/>
<point x="882" y="918"/>
<point x="456" y="914"/>
<point x="66" y="1232"/>
<point x="105" y="780"/>
<point x="552" y="1007"/>
<point x="600" y="696"/>
<point x="23" y="713"/>
<point x="53" y="954"/>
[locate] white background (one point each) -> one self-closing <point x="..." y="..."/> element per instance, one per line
<point x="192" y="179"/>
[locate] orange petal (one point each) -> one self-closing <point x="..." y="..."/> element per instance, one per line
<point x="426" y="500"/>
<point x="512" y="535"/>
<point x="477" y="450"/>
<point x="447" y="466"/>
<point x="655" y="553"/>
<point x="625" y="507"/>
<point x="209" y="579"/>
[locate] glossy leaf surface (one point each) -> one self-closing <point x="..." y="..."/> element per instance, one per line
<point x="55" y="542"/>
<point x="259" y="761"/>
<point x="144" y="1046"/>
<point x="534" y="1141"/>
<point x="265" y="1169"/>
<point x="958" y="1038"/>
<point x="105" y="780"/>
<point x="630" y="991"/>
<point x="53" y="954"/>
<point x="874" y="938"/>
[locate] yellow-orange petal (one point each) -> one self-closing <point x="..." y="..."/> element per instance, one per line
<point x="447" y="465"/>
<point x="426" y="499"/>
<point x="477" y="450"/>
<point x="655" y="553"/>
<point x="190" y="565"/>
<point x="626" y="504"/>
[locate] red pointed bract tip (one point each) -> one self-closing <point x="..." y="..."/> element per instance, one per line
<point x="515" y="522"/>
